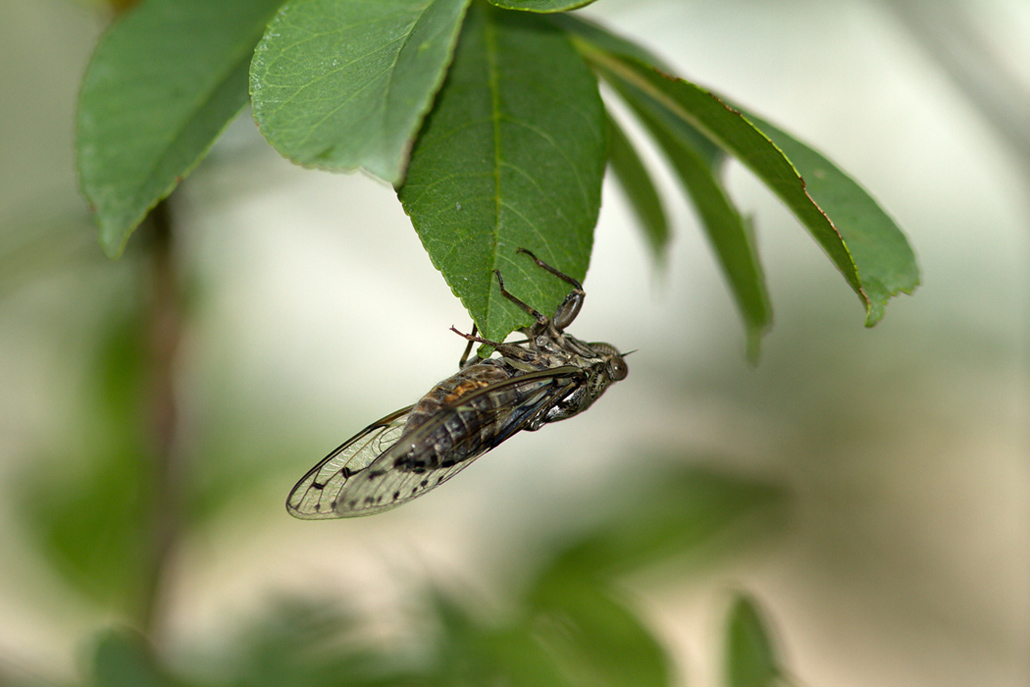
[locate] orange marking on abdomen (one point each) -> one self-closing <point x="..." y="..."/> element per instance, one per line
<point x="462" y="389"/>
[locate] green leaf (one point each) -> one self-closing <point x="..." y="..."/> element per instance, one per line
<point x="726" y="127"/>
<point x="594" y="637"/>
<point x="885" y="261"/>
<point x="727" y="230"/>
<point x="123" y="657"/>
<point x="750" y="658"/>
<point x="512" y="155"/>
<point x="469" y="653"/>
<point x="345" y="84"/>
<point x="590" y="34"/>
<point x="596" y="35"/>
<point x="541" y="5"/>
<point x="93" y="530"/>
<point x="314" y="642"/>
<point x="163" y="83"/>
<point x="636" y="182"/>
<point x="887" y="265"/>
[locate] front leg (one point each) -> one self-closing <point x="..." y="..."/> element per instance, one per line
<point x="569" y="308"/>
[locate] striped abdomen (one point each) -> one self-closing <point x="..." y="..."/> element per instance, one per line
<point x="470" y="421"/>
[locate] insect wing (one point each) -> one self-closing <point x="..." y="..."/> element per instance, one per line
<point x="314" y="496"/>
<point x="382" y="485"/>
<point x="381" y="488"/>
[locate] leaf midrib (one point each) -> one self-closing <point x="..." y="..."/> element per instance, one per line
<point x="493" y="78"/>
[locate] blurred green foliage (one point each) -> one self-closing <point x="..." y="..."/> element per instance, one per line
<point x="571" y="626"/>
<point x="93" y="518"/>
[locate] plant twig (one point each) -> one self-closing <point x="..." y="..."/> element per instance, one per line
<point x="164" y="328"/>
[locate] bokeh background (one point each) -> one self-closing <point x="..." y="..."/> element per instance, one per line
<point x="878" y="480"/>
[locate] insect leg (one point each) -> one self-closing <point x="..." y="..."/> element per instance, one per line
<point x="528" y="308"/>
<point x="561" y="275"/>
<point x="509" y="350"/>
<point x="468" y="349"/>
<point x="570" y="307"/>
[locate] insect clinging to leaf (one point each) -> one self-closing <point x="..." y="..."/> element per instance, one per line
<point x="547" y="377"/>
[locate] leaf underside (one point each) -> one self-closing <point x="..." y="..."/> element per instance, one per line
<point x="857" y="235"/>
<point x="342" y="85"/>
<point x="512" y="156"/>
<point x="143" y="124"/>
<point x="631" y="173"/>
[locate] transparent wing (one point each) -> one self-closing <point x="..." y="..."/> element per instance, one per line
<point x="314" y="496"/>
<point x="375" y="490"/>
<point x="350" y="491"/>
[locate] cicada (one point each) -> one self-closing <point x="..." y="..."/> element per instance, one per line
<point x="547" y="377"/>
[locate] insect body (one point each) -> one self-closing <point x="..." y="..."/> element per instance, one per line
<point x="550" y="376"/>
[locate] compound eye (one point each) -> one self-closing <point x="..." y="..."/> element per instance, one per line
<point x="617" y="369"/>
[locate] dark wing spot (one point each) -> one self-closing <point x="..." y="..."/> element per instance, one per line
<point x="345" y="471"/>
<point x="423" y="483"/>
<point x="396" y="495"/>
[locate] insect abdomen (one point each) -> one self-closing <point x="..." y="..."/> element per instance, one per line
<point x="470" y="423"/>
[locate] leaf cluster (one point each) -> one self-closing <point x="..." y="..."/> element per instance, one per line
<point x="487" y="118"/>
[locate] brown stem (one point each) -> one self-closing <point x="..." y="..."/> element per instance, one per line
<point x="164" y="326"/>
